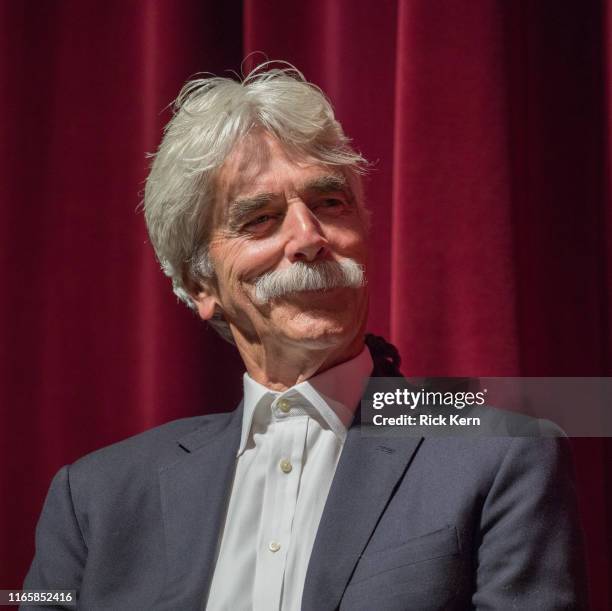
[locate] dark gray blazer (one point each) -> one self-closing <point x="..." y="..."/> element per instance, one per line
<point x="415" y="524"/>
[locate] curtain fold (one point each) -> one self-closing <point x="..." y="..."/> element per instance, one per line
<point x="453" y="306"/>
<point x="488" y="127"/>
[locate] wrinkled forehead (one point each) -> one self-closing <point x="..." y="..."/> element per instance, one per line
<point x="260" y="162"/>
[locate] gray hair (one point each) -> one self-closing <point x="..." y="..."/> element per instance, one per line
<point x="315" y="276"/>
<point x="210" y="116"/>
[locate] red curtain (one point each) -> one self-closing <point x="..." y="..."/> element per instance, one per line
<point x="487" y="122"/>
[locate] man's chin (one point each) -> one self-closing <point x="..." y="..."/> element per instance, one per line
<point x="316" y="339"/>
<point x="317" y="326"/>
<point x="319" y="319"/>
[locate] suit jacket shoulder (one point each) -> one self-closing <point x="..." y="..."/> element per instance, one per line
<point x="151" y="449"/>
<point x="122" y="474"/>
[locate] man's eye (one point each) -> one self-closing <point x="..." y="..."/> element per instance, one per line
<point x="260" y="219"/>
<point x="330" y="205"/>
<point x="331" y="202"/>
<point x="258" y="222"/>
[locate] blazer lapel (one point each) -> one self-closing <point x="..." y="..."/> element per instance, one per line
<point x="194" y="492"/>
<point x="367" y="473"/>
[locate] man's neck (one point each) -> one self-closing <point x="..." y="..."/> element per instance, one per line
<point x="279" y="367"/>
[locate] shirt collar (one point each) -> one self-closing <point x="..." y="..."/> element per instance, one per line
<point x="334" y="394"/>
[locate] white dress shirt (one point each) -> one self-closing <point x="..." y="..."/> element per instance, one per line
<point x="290" y="447"/>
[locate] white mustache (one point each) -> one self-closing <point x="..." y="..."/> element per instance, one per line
<point x="319" y="276"/>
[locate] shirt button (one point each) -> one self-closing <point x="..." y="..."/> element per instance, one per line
<point x="284" y="405"/>
<point x="286" y="465"/>
<point x="274" y="546"/>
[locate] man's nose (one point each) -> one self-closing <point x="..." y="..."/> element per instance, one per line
<point x="305" y="241"/>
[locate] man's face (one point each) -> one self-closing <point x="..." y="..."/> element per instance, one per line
<point x="271" y="211"/>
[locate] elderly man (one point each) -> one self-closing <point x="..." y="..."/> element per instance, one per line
<point x="255" y="209"/>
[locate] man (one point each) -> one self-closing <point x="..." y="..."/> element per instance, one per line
<point x="255" y="209"/>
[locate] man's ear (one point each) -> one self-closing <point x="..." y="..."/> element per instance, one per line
<point x="204" y="296"/>
<point x="206" y="303"/>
